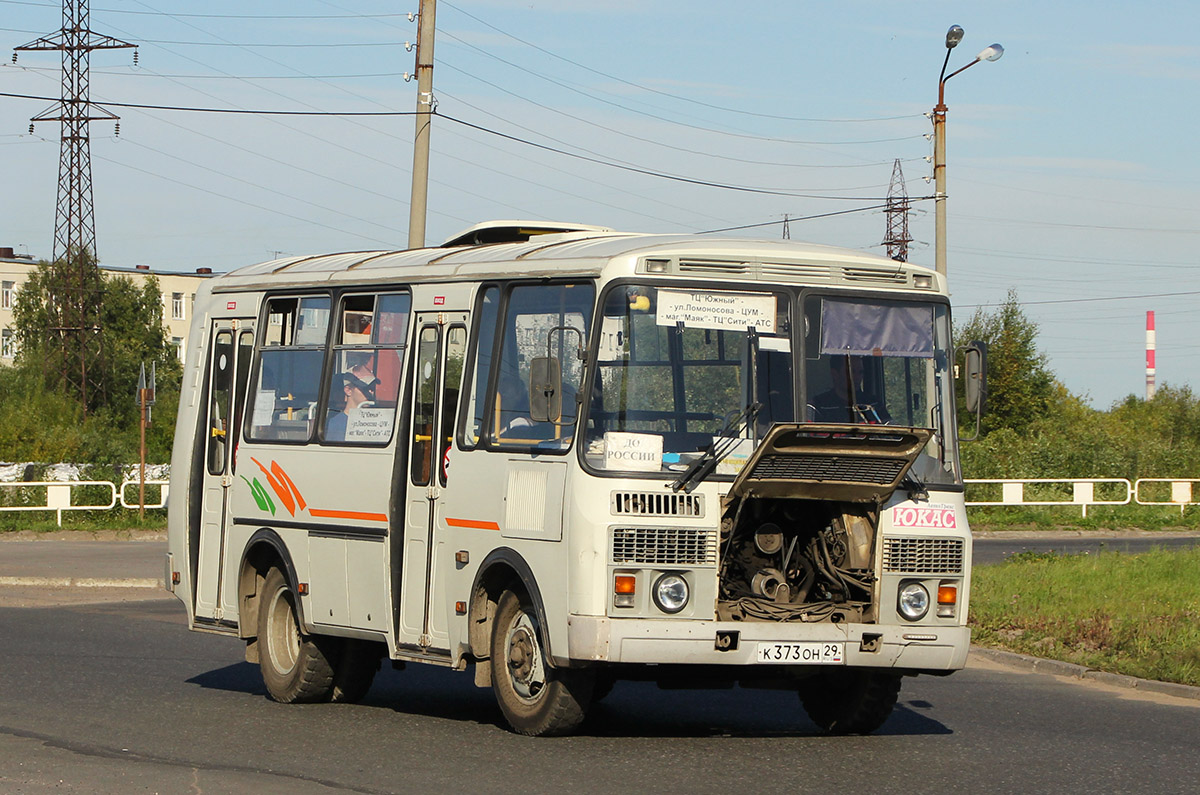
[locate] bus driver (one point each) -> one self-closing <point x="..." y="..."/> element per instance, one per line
<point x="358" y="386"/>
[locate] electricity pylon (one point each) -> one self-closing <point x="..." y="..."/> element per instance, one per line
<point x="76" y="310"/>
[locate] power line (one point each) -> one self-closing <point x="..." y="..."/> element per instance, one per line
<point x="480" y="128"/>
<point x="643" y="139"/>
<point x="628" y="109"/>
<point x="788" y="218"/>
<point x="241" y="111"/>
<point x="1088" y="300"/>
<point x="649" y="172"/>
<point x="212" y="16"/>
<point x="665" y="93"/>
<point x="251" y="45"/>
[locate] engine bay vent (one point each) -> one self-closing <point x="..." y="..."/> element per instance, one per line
<point x="664" y="546"/>
<point x="923" y="555"/>
<point x="878" y="275"/>
<point x="847" y="469"/>
<point x="641" y="503"/>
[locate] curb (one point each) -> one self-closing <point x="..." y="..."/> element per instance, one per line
<point x="1058" y="668"/>
<point x="80" y="582"/>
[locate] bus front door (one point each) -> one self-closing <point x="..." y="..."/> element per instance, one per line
<point x="229" y="352"/>
<point x="437" y="378"/>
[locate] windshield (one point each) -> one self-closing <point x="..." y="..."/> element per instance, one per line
<point x="677" y="364"/>
<point x="882" y="363"/>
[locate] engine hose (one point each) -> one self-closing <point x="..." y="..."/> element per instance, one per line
<point x="806" y="582"/>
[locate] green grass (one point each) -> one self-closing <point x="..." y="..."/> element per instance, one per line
<point x="1129" y="614"/>
<point x="1120" y="517"/>
<point x="117" y="519"/>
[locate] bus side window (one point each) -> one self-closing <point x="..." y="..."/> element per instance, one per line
<point x="368" y="347"/>
<point x="540" y="320"/>
<point x="288" y="375"/>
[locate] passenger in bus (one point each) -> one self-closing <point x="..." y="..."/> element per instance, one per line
<point x="358" y="387"/>
<point x="847" y="400"/>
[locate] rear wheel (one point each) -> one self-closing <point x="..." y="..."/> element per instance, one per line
<point x="535" y="698"/>
<point x="295" y="667"/>
<point x="848" y="701"/>
<point x="355" y="670"/>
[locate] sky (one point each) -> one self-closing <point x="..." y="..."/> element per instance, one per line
<point x="1071" y="167"/>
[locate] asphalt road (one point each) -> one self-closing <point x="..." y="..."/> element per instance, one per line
<point x="119" y="697"/>
<point x="987" y="550"/>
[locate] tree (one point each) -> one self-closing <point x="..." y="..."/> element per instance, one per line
<point x="105" y="421"/>
<point x="1021" y="387"/>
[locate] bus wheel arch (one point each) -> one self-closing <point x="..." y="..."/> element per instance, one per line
<point x="265" y="550"/>
<point x="502" y="570"/>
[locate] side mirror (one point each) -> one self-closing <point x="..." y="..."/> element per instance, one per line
<point x="545" y="389"/>
<point x="976" y="383"/>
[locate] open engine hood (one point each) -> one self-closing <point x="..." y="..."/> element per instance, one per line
<point x="812" y="461"/>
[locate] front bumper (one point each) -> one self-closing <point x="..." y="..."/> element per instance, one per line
<point x="600" y="639"/>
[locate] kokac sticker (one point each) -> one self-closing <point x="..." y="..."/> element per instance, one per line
<point x="933" y="515"/>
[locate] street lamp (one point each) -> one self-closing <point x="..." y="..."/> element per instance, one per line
<point x="992" y="53"/>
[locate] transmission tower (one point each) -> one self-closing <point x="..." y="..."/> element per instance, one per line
<point x="77" y="309"/>
<point x="897" y="239"/>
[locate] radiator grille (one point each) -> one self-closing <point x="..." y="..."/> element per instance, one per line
<point x="666" y="546"/>
<point x="923" y="555"/>
<point x="856" y="469"/>
<point x="638" y="503"/>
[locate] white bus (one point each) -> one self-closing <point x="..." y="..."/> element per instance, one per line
<point x="563" y="456"/>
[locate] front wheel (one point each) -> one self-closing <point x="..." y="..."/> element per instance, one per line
<point x="535" y="698"/>
<point x="295" y="667"/>
<point x="850" y="701"/>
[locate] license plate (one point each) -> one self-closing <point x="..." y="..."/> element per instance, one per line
<point x="803" y="653"/>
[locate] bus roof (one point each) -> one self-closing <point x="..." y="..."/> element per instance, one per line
<point x="587" y="251"/>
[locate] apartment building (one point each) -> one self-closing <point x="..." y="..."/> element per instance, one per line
<point x="178" y="293"/>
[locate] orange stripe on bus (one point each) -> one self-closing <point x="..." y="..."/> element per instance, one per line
<point x="472" y="524"/>
<point x="370" y="517"/>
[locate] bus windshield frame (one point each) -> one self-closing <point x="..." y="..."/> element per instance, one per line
<point x="674" y="363"/>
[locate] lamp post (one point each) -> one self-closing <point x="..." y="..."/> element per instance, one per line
<point x="992" y="53"/>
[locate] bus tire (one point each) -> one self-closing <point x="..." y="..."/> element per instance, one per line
<point x="535" y="698"/>
<point x="357" y="664"/>
<point x="850" y="701"/>
<point x="295" y="667"/>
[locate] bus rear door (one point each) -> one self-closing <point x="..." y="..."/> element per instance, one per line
<point x="228" y="368"/>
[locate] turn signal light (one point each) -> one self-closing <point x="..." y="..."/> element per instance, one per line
<point x="624" y="588"/>
<point x="947" y="594"/>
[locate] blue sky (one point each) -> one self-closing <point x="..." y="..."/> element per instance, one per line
<point x="1072" y="172"/>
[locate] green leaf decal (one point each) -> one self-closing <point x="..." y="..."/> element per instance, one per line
<point x="265" y="503"/>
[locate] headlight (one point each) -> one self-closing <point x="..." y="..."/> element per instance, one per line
<point x="913" y="603"/>
<point x="671" y="593"/>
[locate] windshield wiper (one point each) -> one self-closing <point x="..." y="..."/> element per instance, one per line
<point x="727" y="439"/>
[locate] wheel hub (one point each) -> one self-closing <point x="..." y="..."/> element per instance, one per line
<point x="524" y="663"/>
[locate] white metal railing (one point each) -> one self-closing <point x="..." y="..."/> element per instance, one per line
<point x="163" y="488"/>
<point x="60" y="495"/>
<point x="1082" y="491"/>
<point x="1182" y="491"/>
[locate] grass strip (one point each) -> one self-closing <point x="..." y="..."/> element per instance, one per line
<point x="1129" y="614"/>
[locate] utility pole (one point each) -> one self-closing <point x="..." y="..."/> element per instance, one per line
<point x="420" y="169"/>
<point x="897" y="239"/>
<point x="77" y="309"/>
